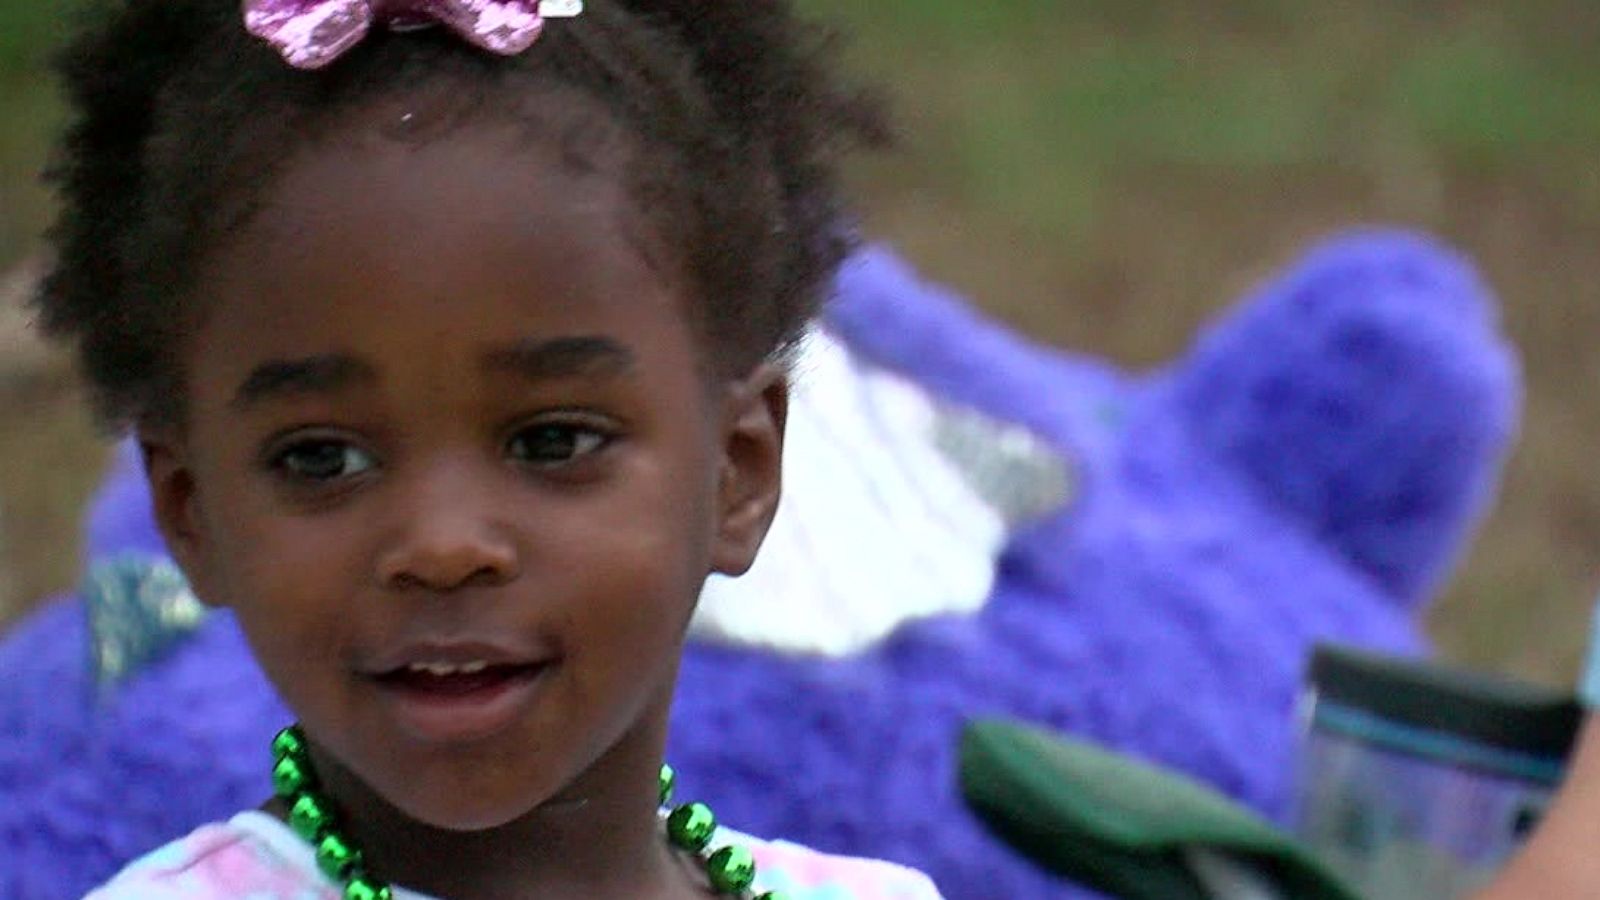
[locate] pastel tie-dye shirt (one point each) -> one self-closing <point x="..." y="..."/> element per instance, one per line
<point x="255" y="857"/>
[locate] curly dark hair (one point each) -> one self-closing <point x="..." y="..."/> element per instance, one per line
<point x="735" y="110"/>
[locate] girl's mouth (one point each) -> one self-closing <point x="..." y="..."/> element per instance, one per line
<point x="454" y="680"/>
<point x="439" y="702"/>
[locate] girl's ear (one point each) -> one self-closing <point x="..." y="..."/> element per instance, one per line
<point x="752" y="468"/>
<point x="173" y="501"/>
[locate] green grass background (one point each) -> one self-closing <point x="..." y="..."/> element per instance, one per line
<point x="1106" y="176"/>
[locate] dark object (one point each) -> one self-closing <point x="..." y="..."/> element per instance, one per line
<point x="1120" y="826"/>
<point x="1464" y="718"/>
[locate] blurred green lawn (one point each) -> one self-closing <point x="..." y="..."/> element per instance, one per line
<point x="1105" y="175"/>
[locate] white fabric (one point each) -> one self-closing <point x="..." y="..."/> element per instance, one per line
<point x="878" y="525"/>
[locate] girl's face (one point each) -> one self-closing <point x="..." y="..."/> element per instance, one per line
<point x="451" y="459"/>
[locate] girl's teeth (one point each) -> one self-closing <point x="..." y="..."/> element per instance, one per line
<point x="442" y="669"/>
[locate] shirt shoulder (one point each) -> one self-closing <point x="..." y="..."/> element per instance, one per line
<point x="806" y="874"/>
<point x="221" y="861"/>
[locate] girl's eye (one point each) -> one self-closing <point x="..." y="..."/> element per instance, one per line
<point x="555" y="443"/>
<point x="324" y="460"/>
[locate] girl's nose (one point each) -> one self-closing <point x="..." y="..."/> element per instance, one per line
<point x="450" y="539"/>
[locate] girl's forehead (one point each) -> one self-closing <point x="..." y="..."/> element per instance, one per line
<point x="484" y="171"/>
<point x="458" y="234"/>
<point x="363" y="205"/>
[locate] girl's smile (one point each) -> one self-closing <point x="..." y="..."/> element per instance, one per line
<point x="454" y="690"/>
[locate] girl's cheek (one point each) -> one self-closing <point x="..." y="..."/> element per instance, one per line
<point x="281" y="560"/>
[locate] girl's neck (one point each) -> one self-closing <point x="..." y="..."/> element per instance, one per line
<point x="600" y="838"/>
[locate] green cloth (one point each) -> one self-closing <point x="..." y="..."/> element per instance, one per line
<point x="1119" y="826"/>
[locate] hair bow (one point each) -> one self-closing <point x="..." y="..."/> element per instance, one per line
<point x="310" y="34"/>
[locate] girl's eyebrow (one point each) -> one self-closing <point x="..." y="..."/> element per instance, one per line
<point x="310" y="375"/>
<point x="565" y="357"/>
<point x="533" y="360"/>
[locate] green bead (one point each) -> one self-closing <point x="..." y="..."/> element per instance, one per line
<point x="310" y="817"/>
<point x="691" y="825"/>
<point x="290" y="777"/>
<point x="336" y="857"/>
<point x="731" y="870"/>
<point x="290" y="741"/>
<point x="361" y="888"/>
<point x="669" y="780"/>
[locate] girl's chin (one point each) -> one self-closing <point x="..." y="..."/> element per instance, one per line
<point x="485" y="807"/>
<point x="452" y="814"/>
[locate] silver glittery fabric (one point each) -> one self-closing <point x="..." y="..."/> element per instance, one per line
<point x="1005" y="464"/>
<point x="139" y="607"/>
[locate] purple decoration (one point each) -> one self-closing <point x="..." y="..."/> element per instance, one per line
<point x="1308" y="473"/>
<point x="310" y="34"/>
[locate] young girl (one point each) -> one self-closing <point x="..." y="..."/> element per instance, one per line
<point x="452" y="337"/>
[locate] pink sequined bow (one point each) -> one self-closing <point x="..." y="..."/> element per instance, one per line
<point x="309" y="34"/>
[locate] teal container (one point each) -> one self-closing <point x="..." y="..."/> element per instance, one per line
<point x="1419" y="781"/>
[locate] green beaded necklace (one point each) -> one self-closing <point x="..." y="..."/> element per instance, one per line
<point x="731" y="870"/>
